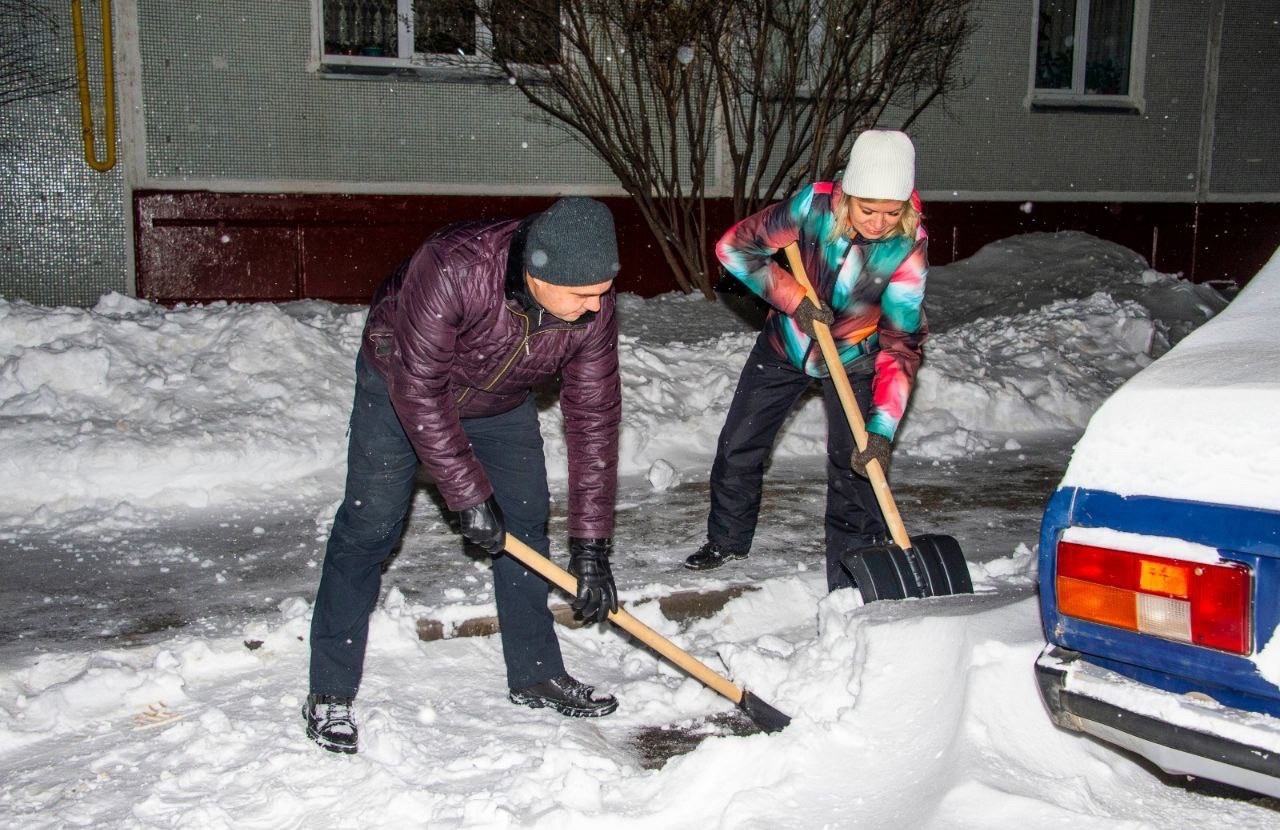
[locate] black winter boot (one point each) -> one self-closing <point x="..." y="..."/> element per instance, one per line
<point x="330" y="723"/>
<point x="711" y="555"/>
<point x="567" y="696"/>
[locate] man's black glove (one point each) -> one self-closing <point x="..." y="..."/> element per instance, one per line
<point x="807" y="312"/>
<point x="482" y="526"/>
<point x="877" y="448"/>
<point x="589" y="562"/>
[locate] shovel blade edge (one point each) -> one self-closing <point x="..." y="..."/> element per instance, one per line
<point x="765" y="716"/>
<point x="944" y="569"/>
<point x="933" y="566"/>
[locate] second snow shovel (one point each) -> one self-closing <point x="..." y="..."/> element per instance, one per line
<point x="764" y="715"/>
<point x="934" y="564"/>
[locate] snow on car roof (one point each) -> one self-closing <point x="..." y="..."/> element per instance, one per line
<point x="1201" y="423"/>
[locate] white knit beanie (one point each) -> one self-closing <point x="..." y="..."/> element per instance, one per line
<point x="882" y="165"/>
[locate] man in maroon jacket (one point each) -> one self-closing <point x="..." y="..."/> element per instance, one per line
<point x="455" y="341"/>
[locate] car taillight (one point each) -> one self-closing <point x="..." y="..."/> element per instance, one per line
<point x="1192" y="602"/>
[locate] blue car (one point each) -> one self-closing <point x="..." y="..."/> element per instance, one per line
<point x="1159" y="557"/>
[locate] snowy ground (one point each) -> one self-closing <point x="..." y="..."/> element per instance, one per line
<point x="168" y="478"/>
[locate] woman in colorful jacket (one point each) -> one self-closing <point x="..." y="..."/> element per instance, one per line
<point x="864" y="249"/>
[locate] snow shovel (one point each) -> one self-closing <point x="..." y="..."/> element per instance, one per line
<point x="934" y="564"/>
<point x="761" y="713"/>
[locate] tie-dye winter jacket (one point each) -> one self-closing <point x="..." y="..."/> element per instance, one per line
<point x="869" y="284"/>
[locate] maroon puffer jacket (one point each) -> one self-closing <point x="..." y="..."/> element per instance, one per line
<point x="455" y="336"/>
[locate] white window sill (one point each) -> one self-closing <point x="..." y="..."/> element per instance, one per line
<point x="463" y="70"/>
<point x="1044" y="101"/>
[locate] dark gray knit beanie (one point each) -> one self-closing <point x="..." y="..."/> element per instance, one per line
<point x="572" y="243"/>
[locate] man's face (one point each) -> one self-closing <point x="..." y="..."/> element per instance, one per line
<point x="568" y="302"/>
<point x="873" y="218"/>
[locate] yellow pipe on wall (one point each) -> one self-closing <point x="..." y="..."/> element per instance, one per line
<point x="108" y="89"/>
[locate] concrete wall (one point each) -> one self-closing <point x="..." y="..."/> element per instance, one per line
<point x="63" y="229"/>
<point x="223" y="97"/>
<point x="231" y="103"/>
<point x="1245" y="142"/>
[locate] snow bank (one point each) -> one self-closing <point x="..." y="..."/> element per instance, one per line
<point x="133" y="403"/>
<point x="921" y="713"/>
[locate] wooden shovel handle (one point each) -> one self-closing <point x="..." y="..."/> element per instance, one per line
<point x="558" y="576"/>
<point x="850" y="405"/>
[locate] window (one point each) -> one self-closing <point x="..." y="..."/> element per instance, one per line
<point x="1088" y="53"/>
<point x="802" y="56"/>
<point x="384" y="35"/>
<point x="368" y="32"/>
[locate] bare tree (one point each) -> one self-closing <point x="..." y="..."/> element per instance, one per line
<point x="797" y="79"/>
<point x="30" y="65"/>
<point x="664" y="90"/>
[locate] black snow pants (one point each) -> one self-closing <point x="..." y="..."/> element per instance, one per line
<point x="767" y="392"/>
<point x="381" y="472"/>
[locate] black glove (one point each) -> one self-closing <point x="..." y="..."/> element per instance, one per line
<point x="482" y="526"/>
<point x="807" y="312"/>
<point x="589" y="562"/>
<point x="877" y="448"/>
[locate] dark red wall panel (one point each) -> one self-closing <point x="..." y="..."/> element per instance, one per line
<point x="346" y="262"/>
<point x="1235" y="241"/>
<point x="203" y="246"/>
<point x="325" y="246"/>
<point x="1161" y="232"/>
<point x="220" y="262"/>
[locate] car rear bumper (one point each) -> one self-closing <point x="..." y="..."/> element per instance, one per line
<point x="1180" y="734"/>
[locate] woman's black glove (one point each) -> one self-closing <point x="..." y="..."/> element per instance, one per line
<point x="589" y="562"/>
<point x="807" y="312"/>
<point x="483" y="527"/>
<point x="877" y="448"/>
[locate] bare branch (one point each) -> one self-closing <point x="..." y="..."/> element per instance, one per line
<point x="30" y="63"/>
<point x="656" y="88"/>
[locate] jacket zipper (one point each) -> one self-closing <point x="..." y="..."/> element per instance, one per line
<point x="515" y="353"/>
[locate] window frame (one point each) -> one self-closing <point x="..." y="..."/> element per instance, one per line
<point x="406" y="58"/>
<point x="1076" y="97"/>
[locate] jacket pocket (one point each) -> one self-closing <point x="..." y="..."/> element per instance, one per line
<point x="383" y="344"/>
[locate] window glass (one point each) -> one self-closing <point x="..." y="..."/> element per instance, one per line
<point x="445" y="26"/>
<point x="1091" y="59"/>
<point x="368" y="33"/>
<point x="1055" y="43"/>
<point x="1106" y="68"/>
<point x="360" y="27"/>
<point x="526" y="31"/>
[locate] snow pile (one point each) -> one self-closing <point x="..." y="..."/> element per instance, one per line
<point x="915" y="714"/>
<point x="920" y="713"/>
<point x="133" y="403"/>
<point x="130" y="401"/>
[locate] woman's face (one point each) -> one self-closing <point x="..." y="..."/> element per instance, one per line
<point x="873" y="218"/>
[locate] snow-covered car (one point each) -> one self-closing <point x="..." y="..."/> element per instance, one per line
<point x="1159" y="560"/>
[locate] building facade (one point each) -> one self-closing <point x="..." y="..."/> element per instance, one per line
<point x="275" y="151"/>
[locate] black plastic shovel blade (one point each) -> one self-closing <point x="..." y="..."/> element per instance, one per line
<point x="762" y="714"/>
<point x="932" y="566"/>
<point x="945" y="571"/>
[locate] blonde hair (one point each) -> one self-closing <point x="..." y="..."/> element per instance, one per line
<point x="908" y="222"/>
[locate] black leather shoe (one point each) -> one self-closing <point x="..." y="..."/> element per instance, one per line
<point x="711" y="555"/>
<point x="330" y="723"/>
<point x="567" y="696"/>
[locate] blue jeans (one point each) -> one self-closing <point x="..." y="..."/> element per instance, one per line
<point x="767" y="392"/>
<point x="381" y="471"/>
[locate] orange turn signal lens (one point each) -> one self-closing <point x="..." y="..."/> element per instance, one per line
<point x="1099" y="603"/>
<point x="1163" y="578"/>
